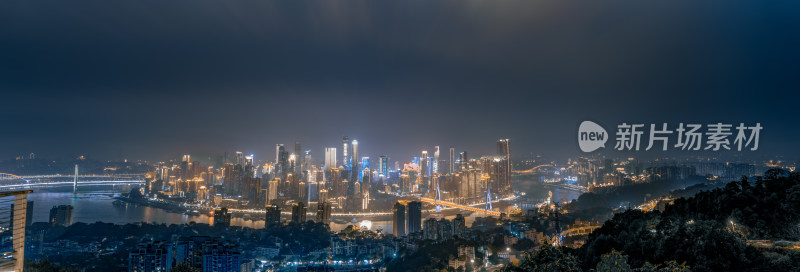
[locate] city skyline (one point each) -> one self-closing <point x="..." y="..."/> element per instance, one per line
<point x="414" y="135"/>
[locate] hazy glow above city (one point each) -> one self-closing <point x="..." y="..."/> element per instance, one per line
<point x="376" y="135"/>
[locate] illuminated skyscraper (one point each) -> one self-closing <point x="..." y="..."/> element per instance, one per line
<point x="354" y="170"/>
<point x="436" y="160"/>
<point x="239" y="158"/>
<point x="249" y="160"/>
<point x="423" y="163"/>
<point x="504" y="149"/>
<point x="272" y="191"/>
<point x="383" y="166"/>
<point x="345" y="159"/>
<point x="364" y="165"/>
<point x="330" y="157"/>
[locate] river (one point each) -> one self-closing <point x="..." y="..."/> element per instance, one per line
<point x="94" y="203"/>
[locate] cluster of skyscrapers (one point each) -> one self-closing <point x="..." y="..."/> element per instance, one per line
<point x="346" y="181"/>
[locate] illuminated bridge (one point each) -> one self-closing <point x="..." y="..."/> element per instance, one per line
<point x="11" y="181"/>
<point x="585" y="230"/>
<point x="535" y="169"/>
<point x="458" y="206"/>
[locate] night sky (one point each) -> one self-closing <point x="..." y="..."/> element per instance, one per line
<point x="156" y="79"/>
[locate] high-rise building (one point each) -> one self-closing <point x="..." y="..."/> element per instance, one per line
<point x="423" y="167"/>
<point x="14" y="207"/>
<point x="272" y="191"/>
<point x="273" y="216"/>
<point x="436" y="160"/>
<point x="462" y="161"/>
<point x="355" y="163"/>
<point x="28" y="213"/>
<point x="324" y="212"/>
<point x="330" y="157"/>
<point x="437" y="230"/>
<point x="384" y="166"/>
<point x="278" y="148"/>
<point x="414" y="216"/>
<point x="504" y="149"/>
<point x="298" y="153"/>
<point x="239" y="158"/>
<point x="364" y="165"/>
<point x="345" y="158"/>
<point x="459" y="226"/>
<point x="283" y="162"/>
<point x="61" y="215"/>
<point x="152" y="256"/>
<point x="452" y="160"/>
<point x="219" y="256"/>
<point x="299" y="211"/>
<point x="399" y="220"/>
<point x="205" y="253"/>
<point x="222" y="217"/>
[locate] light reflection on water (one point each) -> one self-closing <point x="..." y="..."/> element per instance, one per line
<point x="94" y="203"/>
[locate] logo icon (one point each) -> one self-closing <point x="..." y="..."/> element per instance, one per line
<point x="591" y="136"/>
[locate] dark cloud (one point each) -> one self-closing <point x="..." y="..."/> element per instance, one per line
<point x="150" y="79"/>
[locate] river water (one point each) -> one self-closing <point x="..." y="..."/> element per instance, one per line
<point x="94" y="203"/>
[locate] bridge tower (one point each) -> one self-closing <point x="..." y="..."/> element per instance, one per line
<point x="488" y="198"/>
<point x="438" y="197"/>
<point x="75" y="181"/>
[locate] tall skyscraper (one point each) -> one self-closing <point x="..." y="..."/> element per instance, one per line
<point x="272" y="191"/>
<point x="452" y="160"/>
<point x="345" y="159"/>
<point x="355" y="169"/>
<point x="324" y="212"/>
<point x="399" y="220"/>
<point x="436" y="160"/>
<point x="61" y="215"/>
<point x="298" y="153"/>
<point x="423" y="164"/>
<point x="363" y="165"/>
<point x="504" y="149"/>
<point x="383" y="166"/>
<point x="278" y="149"/>
<point x="330" y="157"/>
<point x="222" y="217"/>
<point x="414" y="216"/>
<point x="239" y="158"/>
<point x="13" y="207"/>
<point x="273" y="216"/>
<point x="299" y="211"/>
